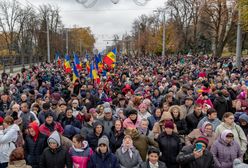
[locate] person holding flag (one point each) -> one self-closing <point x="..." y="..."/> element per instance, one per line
<point x="77" y="62"/>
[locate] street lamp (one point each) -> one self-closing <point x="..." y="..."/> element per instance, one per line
<point x="91" y="3"/>
<point x="164" y="42"/>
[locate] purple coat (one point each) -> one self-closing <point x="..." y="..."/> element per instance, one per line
<point x="225" y="154"/>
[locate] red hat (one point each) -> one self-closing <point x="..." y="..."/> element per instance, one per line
<point x="202" y="140"/>
<point x="168" y="124"/>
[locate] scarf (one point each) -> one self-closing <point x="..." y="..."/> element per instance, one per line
<point x="125" y="148"/>
<point x="153" y="165"/>
<point x="84" y="146"/>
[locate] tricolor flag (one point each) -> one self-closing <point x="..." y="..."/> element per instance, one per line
<point x="77" y="62"/>
<point x="110" y="58"/>
<point x="75" y="73"/>
<point x="57" y="58"/>
<point x="67" y="65"/>
<point x="87" y="63"/>
<point x="93" y="73"/>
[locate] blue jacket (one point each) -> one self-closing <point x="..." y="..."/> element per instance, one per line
<point x="108" y="160"/>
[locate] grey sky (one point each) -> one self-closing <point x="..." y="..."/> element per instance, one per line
<point x="105" y="19"/>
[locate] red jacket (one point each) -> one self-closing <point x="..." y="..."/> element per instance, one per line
<point x="44" y="130"/>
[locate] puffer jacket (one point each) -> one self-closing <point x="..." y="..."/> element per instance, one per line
<point x="239" y="135"/>
<point x="8" y="138"/>
<point x="34" y="146"/>
<point x="81" y="157"/>
<point x="223" y="153"/>
<point x="187" y="160"/>
<point x="107" y="160"/>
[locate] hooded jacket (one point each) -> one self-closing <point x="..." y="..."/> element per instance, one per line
<point x="58" y="158"/>
<point x="80" y="157"/>
<point x="239" y="135"/>
<point x="223" y="153"/>
<point x="92" y="138"/>
<point x="8" y="138"/>
<point x="196" y="133"/>
<point x="34" y="146"/>
<point x="103" y="160"/>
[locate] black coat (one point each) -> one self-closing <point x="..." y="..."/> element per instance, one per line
<point x="71" y="121"/>
<point x="170" y="146"/>
<point x="187" y="159"/>
<point x="193" y="120"/>
<point x="34" y="149"/>
<point x="115" y="140"/>
<point x="182" y="127"/>
<point x="58" y="159"/>
<point x="221" y="106"/>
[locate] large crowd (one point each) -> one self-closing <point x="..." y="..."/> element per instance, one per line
<point x="149" y="112"/>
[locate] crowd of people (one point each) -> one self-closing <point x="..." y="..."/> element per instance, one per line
<point x="159" y="112"/>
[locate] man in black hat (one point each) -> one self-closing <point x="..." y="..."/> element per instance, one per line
<point x="45" y="109"/>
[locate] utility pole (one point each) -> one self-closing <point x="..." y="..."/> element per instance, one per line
<point x="48" y="42"/>
<point x="80" y="46"/>
<point x="163" y="51"/>
<point x="67" y="52"/>
<point x="239" y="43"/>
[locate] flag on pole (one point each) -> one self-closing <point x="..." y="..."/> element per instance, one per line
<point x="67" y="65"/>
<point x="110" y="58"/>
<point x="75" y="73"/>
<point x="77" y="62"/>
<point x="87" y="63"/>
<point x="93" y="73"/>
<point x="57" y="58"/>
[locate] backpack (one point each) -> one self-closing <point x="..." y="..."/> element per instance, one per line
<point x="19" y="141"/>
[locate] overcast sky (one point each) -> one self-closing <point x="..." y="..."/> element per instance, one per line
<point x="105" y="19"/>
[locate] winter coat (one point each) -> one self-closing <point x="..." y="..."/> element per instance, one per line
<point x="182" y="127"/>
<point x="108" y="160"/>
<point x="221" y="106"/>
<point x="55" y="159"/>
<point x="224" y="154"/>
<point x="186" y="110"/>
<point x="19" y="164"/>
<point x="141" y="142"/>
<point x="126" y="161"/>
<point x="58" y="158"/>
<point x="92" y="138"/>
<point x="193" y="120"/>
<point x="187" y="160"/>
<point x="170" y="146"/>
<point x="86" y="129"/>
<point x="196" y="133"/>
<point x="56" y="126"/>
<point x="147" y="165"/>
<point x="115" y="139"/>
<point x="158" y="126"/>
<point x="81" y="157"/>
<point x="33" y="149"/>
<point x="239" y="135"/>
<point x="129" y="124"/>
<point x="8" y="138"/>
<point x="214" y="122"/>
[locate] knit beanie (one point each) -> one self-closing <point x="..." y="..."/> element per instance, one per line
<point x="103" y="140"/>
<point x="202" y="140"/>
<point x="54" y="137"/>
<point x="48" y="114"/>
<point x="168" y="124"/>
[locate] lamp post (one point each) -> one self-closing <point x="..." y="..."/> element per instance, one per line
<point x="48" y="42"/>
<point x="239" y="43"/>
<point x="164" y="39"/>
